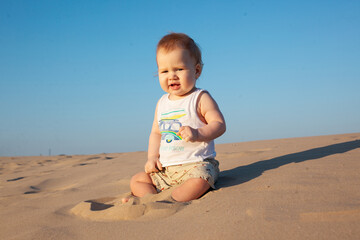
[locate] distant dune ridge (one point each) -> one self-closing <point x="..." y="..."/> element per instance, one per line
<point x="296" y="188"/>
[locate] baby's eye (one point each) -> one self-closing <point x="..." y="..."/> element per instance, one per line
<point x="165" y="71"/>
<point x="180" y="69"/>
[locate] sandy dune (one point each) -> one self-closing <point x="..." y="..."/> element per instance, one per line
<point x="298" y="188"/>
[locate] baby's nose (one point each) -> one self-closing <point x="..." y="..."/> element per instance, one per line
<point x="173" y="75"/>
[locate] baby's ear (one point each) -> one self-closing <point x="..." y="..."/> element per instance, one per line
<point x="198" y="69"/>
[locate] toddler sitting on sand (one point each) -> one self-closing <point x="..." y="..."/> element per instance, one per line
<point x="187" y="119"/>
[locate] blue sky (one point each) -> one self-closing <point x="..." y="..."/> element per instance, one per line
<point x="79" y="77"/>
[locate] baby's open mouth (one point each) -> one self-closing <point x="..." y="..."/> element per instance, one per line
<point x="175" y="86"/>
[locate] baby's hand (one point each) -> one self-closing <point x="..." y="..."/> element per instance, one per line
<point x="188" y="134"/>
<point x="153" y="165"/>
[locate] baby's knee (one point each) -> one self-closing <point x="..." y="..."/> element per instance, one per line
<point x="192" y="189"/>
<point x="199" y="183"/>
<point x="140" y="177"/>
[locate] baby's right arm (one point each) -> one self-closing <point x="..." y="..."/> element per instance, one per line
<point x="153" y="164"/>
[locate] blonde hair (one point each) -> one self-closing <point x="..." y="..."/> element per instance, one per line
<point x="174" y="40"/>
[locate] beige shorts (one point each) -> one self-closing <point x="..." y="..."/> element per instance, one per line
<point x="175" y="175"/>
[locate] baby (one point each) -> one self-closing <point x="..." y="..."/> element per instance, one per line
<point x="187" y="119"/>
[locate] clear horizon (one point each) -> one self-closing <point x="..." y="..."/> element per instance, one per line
<point x="80" y="77"/>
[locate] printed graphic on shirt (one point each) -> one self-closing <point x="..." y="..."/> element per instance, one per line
<point x="169" y="125"/>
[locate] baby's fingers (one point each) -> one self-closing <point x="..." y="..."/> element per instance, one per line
<point x="150" y="168"/>
<point x="180" y="130"/>
<point x="159" y="165"/>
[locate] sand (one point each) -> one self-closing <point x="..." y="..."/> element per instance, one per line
<point x="298" y="188"/>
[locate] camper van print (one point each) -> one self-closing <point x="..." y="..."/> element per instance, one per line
<point x="170" y="125"/>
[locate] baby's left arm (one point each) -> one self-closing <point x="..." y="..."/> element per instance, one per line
<point x="215" y="124"/>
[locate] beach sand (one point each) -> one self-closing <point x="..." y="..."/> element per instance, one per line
<point x="297" y="188"/>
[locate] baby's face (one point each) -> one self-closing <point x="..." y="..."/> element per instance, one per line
<point x="177" y="72"/>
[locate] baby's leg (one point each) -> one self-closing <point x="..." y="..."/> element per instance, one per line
<point x="191" y="189"/>
<point x="140" y="185"/>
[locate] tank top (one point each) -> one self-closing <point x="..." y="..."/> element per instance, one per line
<point x="171" y="115"/>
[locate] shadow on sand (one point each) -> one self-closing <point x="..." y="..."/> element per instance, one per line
<point x="246" y="173"/>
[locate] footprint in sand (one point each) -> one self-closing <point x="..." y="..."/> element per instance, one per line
<point x="51" y="185"/>
<point x="93" y="158"/>
<point x="101" y="204"/>
<point x="34" y="189"/>
<point x="83" y="164"/>
<point x="15" y="179"/>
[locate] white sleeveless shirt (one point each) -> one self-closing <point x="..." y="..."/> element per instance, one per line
<point x="171" y="115"/>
